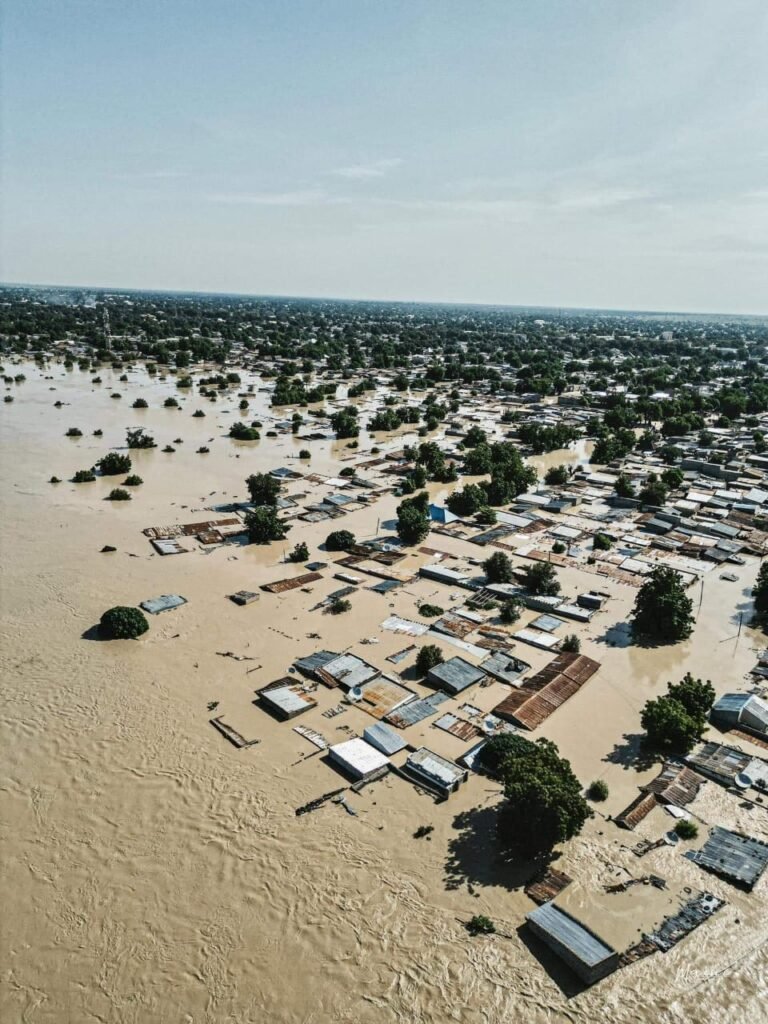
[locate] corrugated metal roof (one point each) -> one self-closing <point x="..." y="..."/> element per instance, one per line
<point x="383" y="738"/>
<point x="735" y="856"/>
<point x="535" y="700"/>
<point x="443" y="772"/>
<point x="379" y="697"/>
<point x="455" y="675"/>
<point x="504" y="667"/>
<point x="417" y="710"/>
<point x="348" y="670"/>
<point x="567" y="932"/>
<point x="314" y="661"/>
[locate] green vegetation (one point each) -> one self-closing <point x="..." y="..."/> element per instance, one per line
<point x="598" y="791"/>
<point x="543" y="800"/>
<point x="571" y="644"/>
<point x="511" y="611"/>
<point x="139" y="439"/>
<point x="263" y="489"/>
<point x="113" y="463"/>
<point x="84" y="476"/>
<point x="132" y="481"/>
<point x="541" y="578"/>
<point x="498" y="568"/>
<point x="556" y="476"/>
<point x="263" y="525"/>
<point x="340" y="540"/>
<point x="74" y="432"/>
<point x="760" y="597"/>
<point x="123" y="623"/>
<point x="140" y="403"/>
<point x="118" y="494"/>
<point x="241" y="432"/>
<point x="427" y="658"/>
<point x="300" y="553"/>
<point x="675" y="722"/>
<point x="344" y="422"/>
<point x="338" y="605"/>
<point x="480" y="925"/>
<point x="601" y="542"/>
<point x="687" y="829"/>
<point x="559" y="548"/>
<point x="305" y="453"/>
<point x="431" y="611"/>
<point x="412" y="519"/>
<point x="663" y="613"/>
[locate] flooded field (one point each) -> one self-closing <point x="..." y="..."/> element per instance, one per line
<point x="153" y="873"/>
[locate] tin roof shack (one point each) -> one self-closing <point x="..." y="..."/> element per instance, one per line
<point x="738" y="858"/>
<point x="719" y="762"/>
<point x="441" y="574"/>
<point x="347" y="671"/>
<point x="384" y="739"/>
<point x="741" y="709"/>
<point x="582" y="950"/>
<point x="534" y="701"/>
<point x="504" y="667"/>
<point x="438" y="772"/>
<point x="285" y="698"/>
<point x="358" y="759"/>
<point x="455" y="675"/>
<point x="675" y="784"/>
<point x="381" y="696"/>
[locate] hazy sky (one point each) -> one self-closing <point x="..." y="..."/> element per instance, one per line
<point x="559" y="152"/>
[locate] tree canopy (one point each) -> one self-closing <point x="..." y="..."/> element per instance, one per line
<point x="663" y="612"/>
<point x="263" y="489"/>
<point x="263" y="525"/>
<point x="543" y="802"/>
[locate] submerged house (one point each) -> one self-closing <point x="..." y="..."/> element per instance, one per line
<point x="438" y="772"/>
<point x="579" y="947"/>
<point x="742" y="710"/>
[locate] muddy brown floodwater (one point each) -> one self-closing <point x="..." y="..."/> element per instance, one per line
<point x="153" y="873"/>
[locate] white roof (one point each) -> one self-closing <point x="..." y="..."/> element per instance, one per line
<point x="357" y="755"/>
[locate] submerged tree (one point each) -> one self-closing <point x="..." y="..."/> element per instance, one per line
<point x="263" y="525"/>
<point x="663" y="612"/>
<point x="123" y="623"/>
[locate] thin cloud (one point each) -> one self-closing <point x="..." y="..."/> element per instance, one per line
<point x="306" y="197"/>
<point x="372" y="169"/>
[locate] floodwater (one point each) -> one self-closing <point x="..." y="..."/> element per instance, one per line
<point x="153" y="873"/>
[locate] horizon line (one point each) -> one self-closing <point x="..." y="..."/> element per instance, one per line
<point x="394" y="302"/>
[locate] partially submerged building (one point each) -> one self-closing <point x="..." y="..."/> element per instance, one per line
<point x="358" y="759"/>
<point x="285" y="698"/>
<point x="738" y="858"/>
<point x="578" y="946"/>
<point x="455" y="675"/>
<point x="438" y="772"/>
<point x="742" y="710"/>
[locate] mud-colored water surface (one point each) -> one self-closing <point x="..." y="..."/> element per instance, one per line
<point x="151" y="872"/>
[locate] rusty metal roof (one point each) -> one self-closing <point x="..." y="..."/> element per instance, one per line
<point x="534" y="701"/>
<point x="280" y="586"/>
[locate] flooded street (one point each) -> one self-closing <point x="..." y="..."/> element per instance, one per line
<point x="153" y="873"/>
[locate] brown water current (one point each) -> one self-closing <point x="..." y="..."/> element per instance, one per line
<point x="153" y="873"/>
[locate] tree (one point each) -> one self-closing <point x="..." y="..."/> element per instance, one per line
<point x="118" y="494"/>
<point x="242" y="432"/>
<point x="133" y="481"/>
<point x="696" y="696"/>
<point x="556" y="476"/>
<point x="760" y="595"/>
<point x="344" y="422"/>
<point x="113" y="463"/>
<point x="654" y="492"/>
<point x="486" y="515"/>
<point x="672" y="478"/>
<point x="412" y="519"/>
<point x="511" y="610"/>
<point x="571" y="644"/>
<point x="663" y="612"/>
<point x="340" y="540"/>
<point x="300" y="553"/>
<point x="498" y="568"/>
<point x="338" y="605"/>
<point x="624" y="486"/>
<point x="475" y="436"/>
<point x="686" y="829"/>
<point x="84" y="476"/>
<point x="139" y="439"/>
<point x="140" y="403"/>
<point x="544" y="804"/>
<point x="601" y="542"/>
<point x="264" y="526"/>
<point x="467" y="501"/>
<point x="598" y="790"/>
<point x="669" y="727"/>
<point x="427" y="658"/>
<point x="123" y="623"/>
<point x="263" y="489"/>
<point x="480" y="925"/>
<point x="541" y="578"/>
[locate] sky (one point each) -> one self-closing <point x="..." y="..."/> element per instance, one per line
<point x="587" y="153"/>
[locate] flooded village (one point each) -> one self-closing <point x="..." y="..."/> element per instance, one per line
<point x="367" y="546"/>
